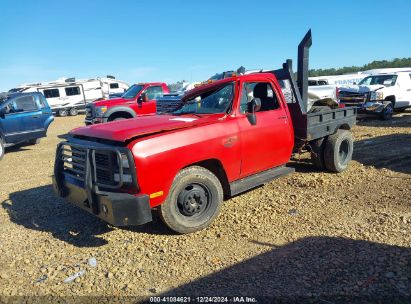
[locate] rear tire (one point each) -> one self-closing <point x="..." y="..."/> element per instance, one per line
<point x="62" y="112"/>
<point x="338" y="151"/>
<point x="1" y="148"/>
<point x="73" y="112"/>
<point x="317" y="153"/>
<point x="194" y="200"/>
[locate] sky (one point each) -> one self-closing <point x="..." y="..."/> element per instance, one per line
<point x="142" y="41"/>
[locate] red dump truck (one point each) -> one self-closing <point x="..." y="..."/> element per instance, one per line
<point x="227" y="137"/>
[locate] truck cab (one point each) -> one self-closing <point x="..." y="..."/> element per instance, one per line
<point x="139" y="99"/>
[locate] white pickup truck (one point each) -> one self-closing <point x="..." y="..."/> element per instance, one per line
<point x="379" y="94"/>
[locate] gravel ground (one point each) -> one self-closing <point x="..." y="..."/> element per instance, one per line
<point x="310" y="234"/>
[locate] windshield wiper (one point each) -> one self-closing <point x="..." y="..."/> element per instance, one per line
<point x="188" y="112"/>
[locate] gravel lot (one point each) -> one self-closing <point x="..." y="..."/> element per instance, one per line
<point x="310" y="234"/>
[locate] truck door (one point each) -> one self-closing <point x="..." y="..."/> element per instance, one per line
<point x="152" y="92"/>
<point x="20" y="121"/>
<point x="269" y="143"/>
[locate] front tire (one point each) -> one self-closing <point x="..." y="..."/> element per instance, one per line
<point x="194" y="200"/>
<point x="387" y="112"/>
<point x="338" y="151"/>
<point x="118" y="118"/>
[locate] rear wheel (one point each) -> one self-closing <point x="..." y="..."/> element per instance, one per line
<point x="1" y="148"/>
<point x="317" y="153"/>
<point x="73" y="112"/>
<point x="338" y="151"/>
<point x="194" y="200"/>
<point x="62" y="112"/>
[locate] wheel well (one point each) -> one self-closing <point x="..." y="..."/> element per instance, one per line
<point x="391" y="98"/>
<point x="119" y="114"/>
<point x="345" y="127"/>
<point x="217" y="169"/>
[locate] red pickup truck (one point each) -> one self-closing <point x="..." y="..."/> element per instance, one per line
<point x="227" y="137"/>
<point x="139" y="99"/>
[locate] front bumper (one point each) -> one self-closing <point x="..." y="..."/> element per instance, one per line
<point x="366" y="107"/>
<point x="116" y="208"/>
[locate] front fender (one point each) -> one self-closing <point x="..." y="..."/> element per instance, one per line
<point x="113" y="110"/>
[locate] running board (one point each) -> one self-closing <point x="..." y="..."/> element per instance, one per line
<point x="258" y="179"/>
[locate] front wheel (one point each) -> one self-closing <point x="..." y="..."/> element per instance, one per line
<point x="194" y="200"/>
<point x="387" y="112"/>
<point x="338" y="151"/>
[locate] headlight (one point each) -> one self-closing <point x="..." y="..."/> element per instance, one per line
<point x="124" y="161"/>
<point x="100" y="111"/>
<point x="377" y="95"/>
<point x="126" y="176"/>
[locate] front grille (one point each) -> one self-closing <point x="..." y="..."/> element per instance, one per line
<point x="74" y="161"/>
<point x="104" y="163"/>
<point x="352" y="97"/>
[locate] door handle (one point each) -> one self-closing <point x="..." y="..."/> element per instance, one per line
<point x="35" y="116"/>
<point x="282" y="117"/>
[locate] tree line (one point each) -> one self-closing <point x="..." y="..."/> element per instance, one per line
<point x="376" y="64"/>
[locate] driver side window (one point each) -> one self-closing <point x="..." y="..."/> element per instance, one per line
<point x="261" y="90"/>
<point x="154" y="92"/>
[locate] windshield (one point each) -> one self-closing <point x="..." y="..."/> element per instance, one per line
<point x="132" y="91"/>
<point x="217" y="100"/>
<point x="386" y="80"/>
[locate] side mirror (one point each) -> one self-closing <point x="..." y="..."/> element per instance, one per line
<point x="142" y="98"/>
<point x="354" y="83"/>
<point x="252" y="107"/>
<point x="3" y="112"/>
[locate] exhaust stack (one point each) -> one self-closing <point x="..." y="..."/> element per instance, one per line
<point x="302" y="71"/>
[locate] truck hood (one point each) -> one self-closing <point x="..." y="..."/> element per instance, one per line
<point x="112" y="102"/>
<point x="361" y="88"/>
<point x="124" y="130"/>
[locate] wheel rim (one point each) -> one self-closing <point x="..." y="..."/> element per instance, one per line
<point x="63" y="112"/>
<point x="1" y="150"/>
<point x="344" y="151"/>
<point x="73" y="111"/>
<point x="194" y="200"/>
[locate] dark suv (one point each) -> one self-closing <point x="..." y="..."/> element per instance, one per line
<point x="24" y="118"/>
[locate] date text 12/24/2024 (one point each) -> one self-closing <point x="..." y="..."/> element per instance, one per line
<point x="203" y="300"/>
